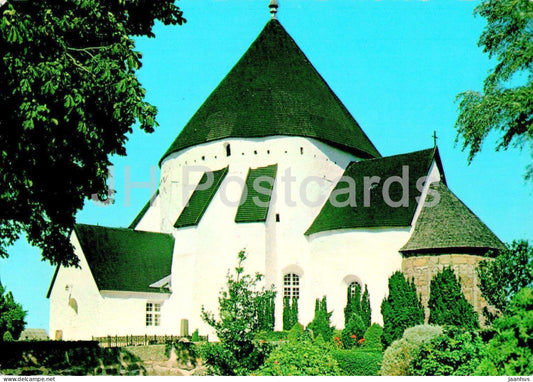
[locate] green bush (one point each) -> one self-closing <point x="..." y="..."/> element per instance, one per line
<point x="11" y="316"/>
<point x="501" y="278"/>
<point x="353" y="332"/>
<point x="357" y="304"/>
<point x="271" y="336"/>
<point x="303" y="357"/>
<point x="195" y="337"/>
<point x="238" y="322"/>
<point x="321" y="325"/>
<point x="455" y="352"/>
<point x="510" y="351"/>
<point x="290" y="313"/>
<point x="398" y="355"/>
<point x="372" y="338"/>
<point x="297" y="333"/>
<point x="402" y="308"/>
<point x="357" y="362"/>
<point x="447" y="304"/>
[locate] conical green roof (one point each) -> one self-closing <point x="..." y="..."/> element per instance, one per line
<point x="274" y="90"/>
<point x="449" y="227"/>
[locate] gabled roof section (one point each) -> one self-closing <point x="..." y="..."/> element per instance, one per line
<point x="200" y="198"/>
<point x="274" y="90"/>
<point x="378" y="212"/>
<point x="449" y="227"/>
<point x="122" y="259"/>
<point x="255" y="202"/>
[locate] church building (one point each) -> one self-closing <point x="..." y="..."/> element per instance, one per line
<point x="274" y="164"/>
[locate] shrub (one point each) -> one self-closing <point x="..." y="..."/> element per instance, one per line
<point x="509" y="352"/>
<point x="358" y="304"/>
<point x="297" y="333"/>
<point x="398" y="355"/>
<point x="290" y="313"/>
<point x="303" y="357"/>
<point x="267" y="313"/>
<point x="447" y="304"/>
<point x="238" y="323"/>
<point x="455" y="352"/>
<point x="11" y="316"/>
<point x="353" y="332"/>
<point x="357" y="362"/>
<point x="321" y="325"/>
<point x="267" y="335"/>
<point x="402" y="308"/>
<point x="500" y="279"/>
<point x="372" y="338"/>
<point x="195" y="337"/>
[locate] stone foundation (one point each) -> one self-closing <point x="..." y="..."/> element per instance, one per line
<point x="421" y="270"/>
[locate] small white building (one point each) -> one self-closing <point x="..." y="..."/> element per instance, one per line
<point x="272" y="163"/>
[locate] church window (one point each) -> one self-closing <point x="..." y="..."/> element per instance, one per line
<point x="203" y="157"/>
<point x="255" y="152"/>
<point x="353" y="288"/>
<point x="291" y="286"/>
<point x="301" y="151"/>
<point x="153" y="314"/>
<point x="278" y="218"/>
<point x="228" y="150"/>
<point x="268" y="151"/>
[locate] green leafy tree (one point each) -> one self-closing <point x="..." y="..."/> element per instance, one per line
<point x="506" y="103"/>
<point x="501" y="278"/>
<point x="372" y="338"/>
<point x="321" y="324"/>
<point x="455" y="352"/>
<point x="401" y="309"/>
<point x="70" y="96"/>
<point x="11" y="316"/>
<point x="447" y="303"/>
<point x="238" y="322"/>
<point x="509" y="352"/>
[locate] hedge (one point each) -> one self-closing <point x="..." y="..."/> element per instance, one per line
<point x="358" y="362"/>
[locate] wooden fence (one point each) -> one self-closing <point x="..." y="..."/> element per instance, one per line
<point x="121" y="341"/>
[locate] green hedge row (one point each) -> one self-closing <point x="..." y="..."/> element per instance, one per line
<point x="358" y="362"/>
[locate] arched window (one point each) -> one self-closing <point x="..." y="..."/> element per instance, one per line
<point x="354" y="289"/>
<point x="291" y="286"/>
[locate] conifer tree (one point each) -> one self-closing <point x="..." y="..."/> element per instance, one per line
<point x="447" y="303"/>
<point x="321" y="324"/>
<point x="366" y="313"/>
<point x="402" y="308"/>
<point x="353" y="303"/>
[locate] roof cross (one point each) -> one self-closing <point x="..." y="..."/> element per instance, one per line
<point x="273" y="8"/>
<point x="435" y="138"/>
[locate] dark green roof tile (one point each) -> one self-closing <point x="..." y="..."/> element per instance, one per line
<point x="449" y="227"/>
<point x="274" y="90"/>
<point x="122" y="259"/>
<point x="200" y="199"/>
<point x="255" y="202"/>
<point x="378" y="213"/>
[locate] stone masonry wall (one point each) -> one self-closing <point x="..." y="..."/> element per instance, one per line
<point x="421" y="270"/>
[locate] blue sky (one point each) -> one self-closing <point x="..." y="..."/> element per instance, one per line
<point x="396" y="65"/>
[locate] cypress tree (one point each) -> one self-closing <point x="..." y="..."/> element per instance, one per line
<point x="286" y="314"/>
<point x="447" y="303"/>
<point x="366" y="313"/>
<point x="402" y="308"/>
<point x="353" y="303"/>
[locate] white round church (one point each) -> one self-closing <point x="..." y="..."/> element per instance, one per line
<point x="272" y="163"/>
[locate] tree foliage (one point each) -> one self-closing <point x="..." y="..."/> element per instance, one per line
<point x="506" y="103"/>
<point x="238" y="322"/>
<point x="321" y="324"/>
<point x="401" y="309"/>
<point x="353" y="332"/>
<point x="290" y="312"/>
<point x="455" y="352"/>
<point x="11" y="316"/>
<point x="500" y="279"/>
<point x="70" y="95"/>
<point x="357" y="304"/>
<point x="510" y="351"/>
<point x="447" y="303"/>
